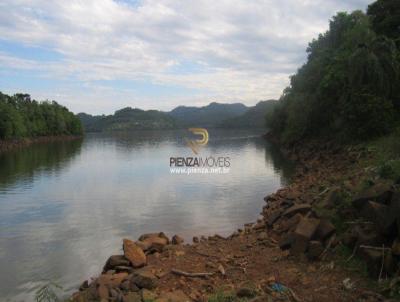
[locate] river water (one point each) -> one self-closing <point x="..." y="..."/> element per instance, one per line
<point x="65" y="206"/>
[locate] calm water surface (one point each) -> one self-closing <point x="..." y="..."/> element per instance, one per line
<point x="65" y="206"/>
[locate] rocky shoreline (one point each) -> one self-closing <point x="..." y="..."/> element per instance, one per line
<point x="273" y="259"/>
<point x="8" y="145"/>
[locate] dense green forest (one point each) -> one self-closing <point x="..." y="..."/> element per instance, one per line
<point x="350" y="86"/>
<point x="20" y="117"/>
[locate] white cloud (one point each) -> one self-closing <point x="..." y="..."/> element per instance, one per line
<point x="247" y="48"/>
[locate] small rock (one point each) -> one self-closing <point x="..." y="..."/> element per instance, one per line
<point x="373" y="260"/>
<point x="175" y="296"/>
<point x="122" y="269"/>
<point x="176" y="239"/>
<point x="103" y="293"/>
<point x="347" y="284"/>
<point x="286" y="241"/>
<point x="262" y="236"/>
<point x="246" y="292"/>
<point x="221" y="270"/>
<point x="148" y="295"/>
<point x="84" y="285"/>
<point x="125" y="285"/>
<point x="315" y="249"/>
<point x="132" y="297"/>
<point x="396" y="247"/>
<point x="259" y="226"/>
<point x="332" y="199"/>
<point x="134" y="253"/>
<point x="196" y="239"/>
<point x="114" y="294"/>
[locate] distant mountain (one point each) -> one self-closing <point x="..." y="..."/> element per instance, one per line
<point x="214" y="115"/>
<point x="207" y="116"/>
<point x="127" y="119"/>
<point x="254" y="117"/>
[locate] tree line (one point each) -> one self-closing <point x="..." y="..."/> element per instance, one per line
<point x="21" y="117"/>
<point x="349" y="88"/>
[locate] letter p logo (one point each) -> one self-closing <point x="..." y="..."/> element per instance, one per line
<point x="196" y="144"/>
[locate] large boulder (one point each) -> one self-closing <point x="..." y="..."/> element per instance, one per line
<point x="380" y="192"/>
<point x="144" y="278"/>
<point x="298" y="245"/>
<point x="115" y="261"/>
<point x="302" y="235"/>
<point x="324" y="230"/>
<point x="302" y="208"/>
<point x="150" y="235"/>
<point x="381" y="215"/>
<point x="111" y="280"/>
<point x="273" y="217"/>
<point x="134" y="253"/>
<point x="332" y="199"/>
<point x="307" y="227"/>
<point x="373" y="259"/>
<point x="153" y="244"/>
<point x="290" y="224"/>
<point x="363" y="235"/>
<point x="176" y="239"/>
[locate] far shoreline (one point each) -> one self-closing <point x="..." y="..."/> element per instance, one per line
<point x="14" y="144"/>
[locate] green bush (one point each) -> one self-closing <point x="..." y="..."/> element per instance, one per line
<point x="390" y="170"/>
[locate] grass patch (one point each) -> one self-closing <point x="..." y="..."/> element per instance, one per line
<point x="221" y="296"/>
<point x="349" y="262"/>
<point x="386" y="151"/>
<point x="228" y="295"/>
<point x="391" y="288"/>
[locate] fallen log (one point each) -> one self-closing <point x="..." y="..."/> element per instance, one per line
<point x="190" y="275"/>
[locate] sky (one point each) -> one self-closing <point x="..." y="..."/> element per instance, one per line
<point x="97" y="56"/>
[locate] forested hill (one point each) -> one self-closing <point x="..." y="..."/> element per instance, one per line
<point x="127" y="119"/>
<point x="207" y="116"/>
<point x="22" y="117"/>
<point x="254" y="117"/>
<point x="350" y="86"/>
<point x="215" y="115"/>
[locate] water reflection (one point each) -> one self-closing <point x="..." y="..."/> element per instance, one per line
<point x="64" y="210"/>
<point x="21" y="165"/>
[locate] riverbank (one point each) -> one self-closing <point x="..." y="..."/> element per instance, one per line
<point x="7" y="145"/>
<point x="296" y="251"/>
